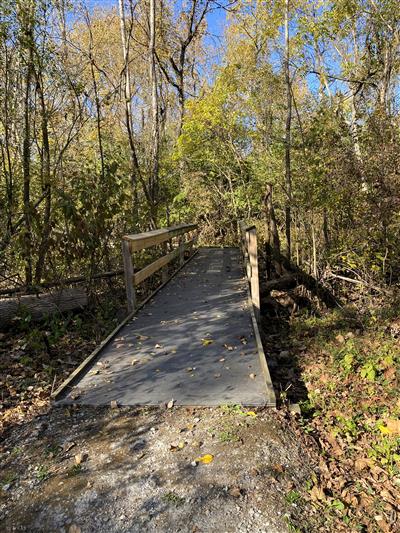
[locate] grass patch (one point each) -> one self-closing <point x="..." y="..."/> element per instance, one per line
<point x="173" y="499"/>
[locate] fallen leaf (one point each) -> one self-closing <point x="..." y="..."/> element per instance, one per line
<point x="235" y="492"/>
<point x="67" y="446"/>
<point x="80" y="458"/>
<point x="317" y="494"/>
<point x="177" y="447"/>
<point x="251" y="413"/>
<point x="390" y="373"/>
<point x="228" y="347"/>
<point x="206" y="342"/>
<point x="393" y="426"/>
<point x="383" y="429"/>
<point x="142" y="337"/>
<point x="205" y="459"/>
<point x="362" y="463"/>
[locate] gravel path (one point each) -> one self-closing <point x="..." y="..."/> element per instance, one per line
<point x="140" y="470"/>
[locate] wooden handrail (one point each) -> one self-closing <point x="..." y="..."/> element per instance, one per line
<point x="250" y="256"/>
<point x="141" y="241"/>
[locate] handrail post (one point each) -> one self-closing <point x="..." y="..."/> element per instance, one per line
<point x="251" y="238"/>
<point x="164" y="270"/>
<point x="128" y="271"/>
<point x="141" y="241"/>
<point x="181" y="250"/>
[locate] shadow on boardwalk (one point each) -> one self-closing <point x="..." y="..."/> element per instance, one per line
<point x="194" y="343"/>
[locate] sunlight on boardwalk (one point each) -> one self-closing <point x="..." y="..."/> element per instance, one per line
<point x="194" y="343"/>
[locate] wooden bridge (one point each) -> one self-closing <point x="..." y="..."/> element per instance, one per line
<point x="194" y="340"/>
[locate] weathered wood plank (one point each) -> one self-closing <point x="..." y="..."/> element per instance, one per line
<point x="140" y="241"/>
<point x="164" y="270"/>
<point x="148" y="270"/>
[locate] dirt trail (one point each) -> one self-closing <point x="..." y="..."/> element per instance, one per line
<point x="115" y="470"/>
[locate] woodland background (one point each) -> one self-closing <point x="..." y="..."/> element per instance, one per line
<point x="123" y="118"/>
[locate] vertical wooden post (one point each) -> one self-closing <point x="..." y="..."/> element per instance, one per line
<point x="128" y="269"/>
<point x="251" y="236"/>
<point x="181" y="251"/>
<point x="164" y="270"/>
<point x="246" y="256"/>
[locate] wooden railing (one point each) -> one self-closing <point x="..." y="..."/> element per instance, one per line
<point x="141" y="241"/>
<point x="248" y="236"/>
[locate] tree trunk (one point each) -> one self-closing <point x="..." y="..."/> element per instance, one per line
<point x="288" y="176"/>
<point x="27" y="22"/>
<point x="135" y="171"/>
<point x="6" y="155"/>
<point x="273" y="247"/>
<point x="314" y="250"/>
<point x="96" y="96"/>
<point x="155" y="119"/>
<point x="46" y="183"/>
<point x="40" y="306"/>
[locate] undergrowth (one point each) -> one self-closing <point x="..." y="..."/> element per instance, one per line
<point x="350" y="368"/>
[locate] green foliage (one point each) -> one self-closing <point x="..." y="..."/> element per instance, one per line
<point x="348" y="356"/>
<point x="75" y="470"/>
<point x="387" y="452"/>
<point x="173" y="498"/>
<point x="9" y="478"/>
<point x="42" y="472"/>
<point x="293" y="496"/>
<point x="228" y="435"/>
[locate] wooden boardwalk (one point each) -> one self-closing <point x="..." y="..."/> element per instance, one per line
<point x="195" y="342"/>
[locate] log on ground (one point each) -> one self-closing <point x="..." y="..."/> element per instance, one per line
<point x="39" y="306"/>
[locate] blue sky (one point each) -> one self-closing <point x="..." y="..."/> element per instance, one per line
<point x="216" y="20"/>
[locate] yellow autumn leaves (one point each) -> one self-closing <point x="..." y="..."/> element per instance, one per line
<point x="205" y="459"/>
<point x="390" y="427"/>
